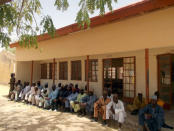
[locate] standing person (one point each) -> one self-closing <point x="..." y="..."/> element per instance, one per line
<point x="100" y="107"/>
<point x="12" y="84"/>
<point x="115" y="110"/>
<point x="151" y="117"/>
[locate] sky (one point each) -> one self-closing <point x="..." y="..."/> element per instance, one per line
<point x="68" y="17"/>
<point x="61" y="19"/>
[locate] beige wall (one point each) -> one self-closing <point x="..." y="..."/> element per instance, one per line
<point x="150" y="30"/>
<point x="24" y="69"/>
<point x="7" y="66"/>
<point x="97" y="87"/>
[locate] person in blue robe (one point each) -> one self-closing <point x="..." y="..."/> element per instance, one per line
<point x="151" y="116"/>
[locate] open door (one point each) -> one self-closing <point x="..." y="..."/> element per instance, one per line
<point x="165" y="77"/>
<point x="120" y="77"/>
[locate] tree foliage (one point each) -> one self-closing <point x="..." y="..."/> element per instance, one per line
<point x="19" y="16"/>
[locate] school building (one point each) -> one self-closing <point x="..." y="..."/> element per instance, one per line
<point x="130" y="50"/>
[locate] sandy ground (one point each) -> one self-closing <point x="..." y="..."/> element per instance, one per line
<point x="21" y="117"/>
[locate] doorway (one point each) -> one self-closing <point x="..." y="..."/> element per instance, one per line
<point x="119" y="76"/>
<point x="166" y="78"/>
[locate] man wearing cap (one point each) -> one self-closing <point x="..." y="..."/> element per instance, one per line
<point x="151" y="116"/>
<point x="139" y="103"/>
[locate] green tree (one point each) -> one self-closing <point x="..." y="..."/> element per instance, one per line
<point x="19" y="16"/>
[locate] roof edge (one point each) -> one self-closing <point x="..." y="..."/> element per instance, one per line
<point x="124" y="12"/>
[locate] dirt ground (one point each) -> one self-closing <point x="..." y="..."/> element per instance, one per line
<point x="21" y="117"/>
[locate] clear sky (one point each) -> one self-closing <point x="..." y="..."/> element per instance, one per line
<point x="61" y="19"/>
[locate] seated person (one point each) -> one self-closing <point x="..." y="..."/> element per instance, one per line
<point x="25" y="90"/>
<point x="52" y="98"/>
<point x="22" y="90"/>
<point x="151" y="116"/>
<point x="87" y="104"/>
<point x="63" y="93"/>
<point x="100" y="107"/>
<point x="43" y="96"/>
<point x="31" y="93"/>
<point x="16" y="91"/>
<point x="71" y="97"/>
<point x="115" y="110"/>
<point x="139" y="103"/>
<point x="38" y="94"/>
<point x="77" y="88"/>
<point x="161" y="103"/>
<point x="75" y="105"/>
<point x="59" y="86"/>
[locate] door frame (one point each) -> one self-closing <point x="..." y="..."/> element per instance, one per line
<point x="158" y="78"/>
<point x="126" y="99"/>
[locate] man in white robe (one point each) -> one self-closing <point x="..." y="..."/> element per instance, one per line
<point x="115" y="110"/>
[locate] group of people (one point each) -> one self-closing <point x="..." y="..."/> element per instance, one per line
<point x="70" y="98"/>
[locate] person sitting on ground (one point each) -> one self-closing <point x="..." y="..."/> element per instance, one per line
<point x="100" y="107"/>
<point x="64" y="92"/>
<point x="12" y="84"/>
<point x="59" y="86"/>
<point x="31" y="94"/>
<point x="52" y="98"/>
<point x="115" y="110"/>
<point x="161" y="103"/>
<point x="44" y="95"/>
<point x="38" y="94"/>
<point x="16" y="91"/>
<point x="138" y="103"/>
<point x="151" y="116"/>
<point x="25" y="91"/>
<point x="77" y="88"/>
<point x="75" y="105"/>
<point x="71" y="97"/>
<point x="22" y="90"/>
<point x="87" y="104"/>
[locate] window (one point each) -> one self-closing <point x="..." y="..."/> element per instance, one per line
<point x="43" y="71"/>
<point x="63" y="71"/>
<point x="93" y="69"/>
<point x="50" y="70"/>
<point x="76" y="70"/>
<point x="129" y="77"/>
